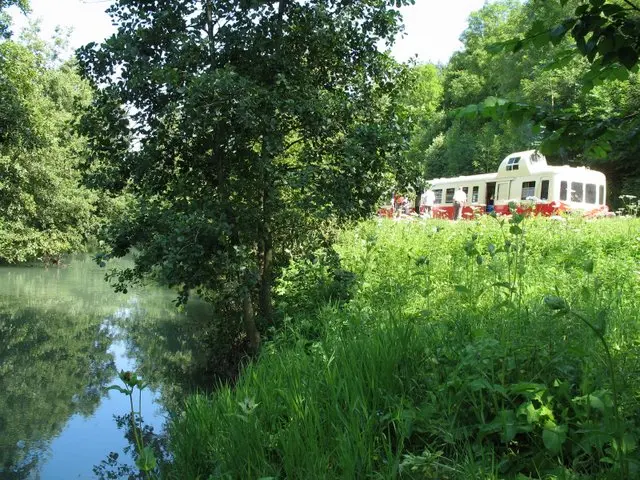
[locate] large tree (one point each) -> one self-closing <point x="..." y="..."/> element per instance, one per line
<point x="252" y="123"/>
<point x="421" y="102"/>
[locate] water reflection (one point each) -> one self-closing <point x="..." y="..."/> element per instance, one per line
<point x="183" y="352"/>
<point x="55" y="364"/>
<point x="62" y="334"/>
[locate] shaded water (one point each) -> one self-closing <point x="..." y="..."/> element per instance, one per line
<point x="63" y="335"/>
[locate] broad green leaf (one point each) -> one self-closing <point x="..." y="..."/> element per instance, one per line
<point x="556" y="303"/>
<point x="628" y="56"/>
<point x="596" y="402"/>
<point x="146" y="460"/>
<point x="554" y="436"/>
<point x="507" y="420"/>
<point x="462" y="289"/>
<point x="557" y="33"/>
<point x="119" y="389"/>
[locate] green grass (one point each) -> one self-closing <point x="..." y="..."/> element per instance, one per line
<point x="445" y="362"/>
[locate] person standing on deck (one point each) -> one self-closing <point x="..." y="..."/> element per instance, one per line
<point x="398" y="204"/>
<point x="459" y="199"/>
<point x="427" y="200"/>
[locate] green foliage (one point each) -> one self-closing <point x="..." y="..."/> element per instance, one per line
<point x="449" y="360"/>
<point x="578" y="76"/>
<point x="605" y="32"/>
<point x="195" y="348"/>
<point x="418" y="110"/>
<point x="309" y="282"/>
<point x="45" y="210"/>
<point x="254" y="125"/>
<point x="524" y="80"/>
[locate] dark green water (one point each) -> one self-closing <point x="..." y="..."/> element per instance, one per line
<point x="63" y="335"/>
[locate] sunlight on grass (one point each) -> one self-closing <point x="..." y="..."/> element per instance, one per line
<point x="440" y="359"/>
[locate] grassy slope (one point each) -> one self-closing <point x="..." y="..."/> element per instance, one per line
<point x="445" y="363"/>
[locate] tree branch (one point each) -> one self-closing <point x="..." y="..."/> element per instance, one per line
<point x="632" y="5"/>
<point x="287" y="147"/>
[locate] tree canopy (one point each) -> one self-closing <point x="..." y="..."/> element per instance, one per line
<point x="251" y="124"/>
<point x="5" y="20"/>
<point x="45" y="209"/>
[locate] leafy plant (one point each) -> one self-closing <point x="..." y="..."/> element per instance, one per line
<point x="290" y="113"/>
<point x="145" y="456"/>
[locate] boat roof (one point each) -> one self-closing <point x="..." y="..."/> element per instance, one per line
<point x="481" y="177"/>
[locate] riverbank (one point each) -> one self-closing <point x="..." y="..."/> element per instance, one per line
<point x="480" y="349"/>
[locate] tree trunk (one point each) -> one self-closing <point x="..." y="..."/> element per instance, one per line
<point x="249" y="321"/>
<point x="266" y="278"/>
<point x="265" y="242"/>
<point x="265" y="238"/>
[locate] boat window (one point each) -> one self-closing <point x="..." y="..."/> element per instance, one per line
<point x="474" y="195"/>
<point x="601" y="196"/>
<point x="563" y="190"/>
<point x="502" y="191"/>
<point x="465" y="190"/>
<point x="513" y="163"/>
<point x="528" y="190"/>
<point x="577" y="192"/>
<point x="437" y="194"/>
<point x="544" y="190"/>
<point x="449" y="195"/>
<point x="590" y="193"/>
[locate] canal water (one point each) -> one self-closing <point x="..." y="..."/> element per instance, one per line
<point x="64" y="335"/>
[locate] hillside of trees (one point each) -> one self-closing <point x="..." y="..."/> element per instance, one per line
<point x="575" y="115"/>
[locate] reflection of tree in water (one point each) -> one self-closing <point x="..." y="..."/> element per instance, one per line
<point x="176" y="351"/>
<point x="53" y="364"/>
<point x="112" y="468"/>
<point x="182" y="352"/>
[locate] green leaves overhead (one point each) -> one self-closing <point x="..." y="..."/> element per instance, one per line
<point x="250" y="125"/>
<point x="605" y="33"/>
<point x="607" y="36"/>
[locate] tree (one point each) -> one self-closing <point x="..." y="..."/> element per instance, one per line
<point x="44" y="210"/>
<point x="252" y="124"/>
<point x="448" y="145"/>
<point x="606" y="34"/>
<point x="577" y="66"/>
<point x="420" y="105"/>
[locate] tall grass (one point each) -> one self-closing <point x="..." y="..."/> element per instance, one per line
<point x="445" y="362"/>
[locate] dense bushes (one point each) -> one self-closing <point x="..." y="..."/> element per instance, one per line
<point x="468" y="350"/>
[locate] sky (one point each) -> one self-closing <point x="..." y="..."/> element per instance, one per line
<point x="432" y="27"/>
